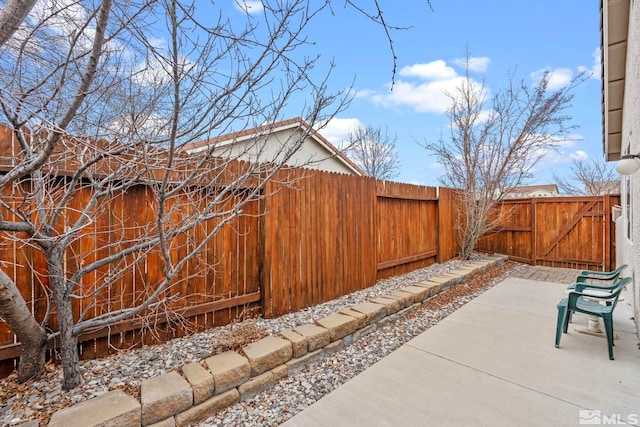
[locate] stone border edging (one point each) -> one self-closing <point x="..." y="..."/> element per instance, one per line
<point x="178" y="400"/>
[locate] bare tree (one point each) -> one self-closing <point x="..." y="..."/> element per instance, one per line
<point x="494" y="143"/>
<point x="100" y="98"/>
<point x="374" y="151"/>
<point x="590" y="178"/>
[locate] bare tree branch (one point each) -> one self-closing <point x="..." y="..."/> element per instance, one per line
<point x="374" y="151"/>
<point x="493" y="144"/>
<point x="589" y="178"/>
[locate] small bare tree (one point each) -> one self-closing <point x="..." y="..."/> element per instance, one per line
<point x="590" y="178"/>
<point x="100" y="99"/>
<point x="374" y="151"/>
<point x="494" y="143"/>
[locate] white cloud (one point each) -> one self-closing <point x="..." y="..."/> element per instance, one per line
<point x="558" y="77"/>
<point x="423" y="87"/>
<point x="595" y="72"/>
<point x="478" y="64"/>
<point x="426" y="97"/>
<point x="337" y="130"/>
<point x="435" y="70"/>
<point x="579" y="155"/>
<point x="250" y="7"/>
<point x="558" y="160"/>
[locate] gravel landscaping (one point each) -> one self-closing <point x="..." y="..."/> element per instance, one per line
<point x="39" y="399"/>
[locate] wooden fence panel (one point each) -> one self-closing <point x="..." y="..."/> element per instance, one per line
<point x="319" y="239"/>
<point x="214" y="287"/>
<point x="570" y="232"/>
<point x="407" y="228"/>
<point x="449" y="214"/>
<point x="514" y="234"/>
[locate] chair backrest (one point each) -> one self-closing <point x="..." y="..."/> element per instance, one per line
<point x="600" y="275"/>
<point x="621" y="285"/>
<point x="612" y="295"/>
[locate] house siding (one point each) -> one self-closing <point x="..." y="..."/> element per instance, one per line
<point x="628" y="252"/>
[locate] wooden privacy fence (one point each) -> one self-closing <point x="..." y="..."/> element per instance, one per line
<point x="318" y="236"/>
<point x="572" y="232"/>
<point x="330" y="234"/>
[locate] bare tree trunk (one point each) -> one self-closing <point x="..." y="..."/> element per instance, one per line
<point x="11" y="16"/>
<point x="32" y="336"/>
<point x="69" y="358"/>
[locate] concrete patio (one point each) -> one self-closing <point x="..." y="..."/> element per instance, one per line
<point x="493" y="362"/>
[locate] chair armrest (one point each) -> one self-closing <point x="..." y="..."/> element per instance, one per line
<point x="596" y="293"/>
<point x="602" y="275"/>
<point x="581" y="287"/>
<point x="606" y="276"/>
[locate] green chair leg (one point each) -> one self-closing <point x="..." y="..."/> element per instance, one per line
<point x="608" y="327"/>
<point x="562" y="314"/>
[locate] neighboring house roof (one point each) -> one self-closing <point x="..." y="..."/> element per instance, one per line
<point x="272" y="128"/>
<point x="526" y="189"/>
<point x="614" y="25"/>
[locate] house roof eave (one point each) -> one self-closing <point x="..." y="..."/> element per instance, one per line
<point x="614" y="25"/>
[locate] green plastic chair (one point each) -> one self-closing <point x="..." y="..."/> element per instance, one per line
<point x="577" y="303"/>
<point x="606" y="276"/>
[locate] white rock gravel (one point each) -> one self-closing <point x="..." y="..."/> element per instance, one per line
<point x="293" y="394"/>
<point x="271" y="407"/>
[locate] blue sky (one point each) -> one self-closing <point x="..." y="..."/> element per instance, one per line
<point x="505" y="35"/>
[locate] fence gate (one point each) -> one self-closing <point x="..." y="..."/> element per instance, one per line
<point x="571" y="232"/>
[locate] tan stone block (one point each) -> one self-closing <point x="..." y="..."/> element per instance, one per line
<point x="402" y="301"/>
<point x="360" y="317"/>
<point x="481" y="266"/>
<point x="374" y="312"/>
<point x="442" y="279"/>
<point x="296" y="365"/>
<point x="256" y="385"/>
<point x="164" y="396"/>
<point x="209" y="407"/>
<point x="229" y="370"/>
<point x="115" y="408"/>
<point x="267" y="353"/>
<point x="338" y="325"/>
<point x="455" y="277"/>
<point x="201" y="381"/>
<point x="298" y="342"/>
<point x="333" y="347"/>
<point x="167" y="422"/>
<point x="280" y="372"/>
<point x="405" y="298"/>
<point x="464" y="272"/>
<point x="364" y="331"/>
<point x="316" y="336"/>
<point x="433" y="287"/>
<point x="391" y="304"/>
